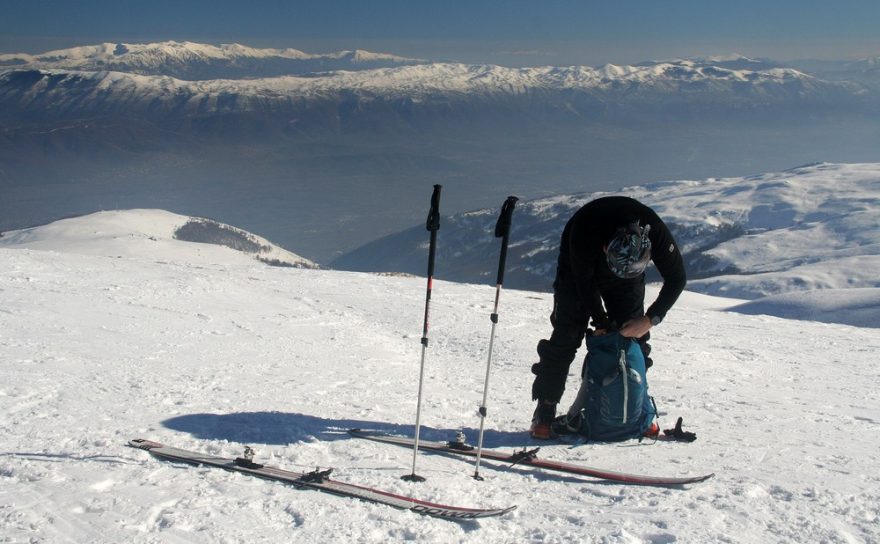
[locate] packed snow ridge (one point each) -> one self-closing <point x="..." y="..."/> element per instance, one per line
<point x="153" y="234"/>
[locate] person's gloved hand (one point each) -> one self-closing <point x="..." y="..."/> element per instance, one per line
<point x="636" y="328"/>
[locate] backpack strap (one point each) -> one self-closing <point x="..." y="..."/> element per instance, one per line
<point x="624" y="374"/>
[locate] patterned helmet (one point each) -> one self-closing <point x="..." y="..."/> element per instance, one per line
<point x="629" y="251"/>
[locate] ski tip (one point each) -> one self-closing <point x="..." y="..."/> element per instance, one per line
<point x="696" y="479"/>
<point x="509" y="509"/>
<point x="502" y="511"/>
<point x="144" y="444"/>
<point x="461" y="514"/>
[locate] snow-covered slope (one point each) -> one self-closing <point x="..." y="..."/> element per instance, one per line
<point x="809" y="228"/>
<point x="152" y="234"/>
<point x="189" y="60"/>
<point x="95" y="351"/>
<point x="859" y="307"/>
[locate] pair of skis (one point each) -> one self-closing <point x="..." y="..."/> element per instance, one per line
<point x="530" y="458"/>
<point x="319" y="480"/>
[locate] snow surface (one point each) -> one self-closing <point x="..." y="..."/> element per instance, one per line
<point x="96" y="350"/>
<point x="859" y="307"/>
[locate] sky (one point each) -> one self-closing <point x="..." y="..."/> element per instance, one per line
<point x="509" y="32"/>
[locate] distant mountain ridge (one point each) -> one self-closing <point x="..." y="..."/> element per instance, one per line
<point x="188" y="78"/>
<point x="580" y="89"/>
<point x="197" y="61"/>
<point x="865" y="71"/>
<point x="812" y="227"/>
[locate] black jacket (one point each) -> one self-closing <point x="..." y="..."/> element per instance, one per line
<point x="582" y="267"/>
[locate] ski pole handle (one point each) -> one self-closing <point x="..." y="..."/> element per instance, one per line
<point x="433" y="222"/>
<point x="502" y="230"/>
<point x="433" y="225"/>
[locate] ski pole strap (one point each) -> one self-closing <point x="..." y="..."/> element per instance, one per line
<point x="523" y="456"/>
<point x="678" y="434"/>
<point x="316" y="476"/>
<point x="433" y="222"/>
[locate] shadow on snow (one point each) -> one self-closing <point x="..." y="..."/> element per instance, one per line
<point x="281" y="428"/>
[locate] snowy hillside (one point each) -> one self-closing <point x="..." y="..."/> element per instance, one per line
<point x="153" y="234"/>
<point x="806" y="229"/>
<point x="188" y="60"/>
<point x="98" y="350"/>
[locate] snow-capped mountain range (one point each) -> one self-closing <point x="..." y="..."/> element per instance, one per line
<point x="581" y="89"/>
<point x="188" y="60"/>
<point x="199" y="61"/>
<point x="197" y="79"/>
<point x="125" y="125"/>
<point x="806" y="229"/>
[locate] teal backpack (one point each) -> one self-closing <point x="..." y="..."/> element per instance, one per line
<point x="617" y="405"/>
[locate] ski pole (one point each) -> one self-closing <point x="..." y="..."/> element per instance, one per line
<point x="502" y="230"/>
<point x="433" y="225"/>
